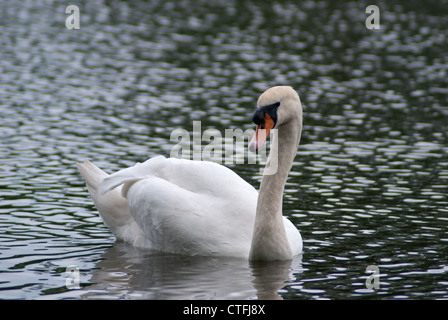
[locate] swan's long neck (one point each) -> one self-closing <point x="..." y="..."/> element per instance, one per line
<point x="269" y="241"/>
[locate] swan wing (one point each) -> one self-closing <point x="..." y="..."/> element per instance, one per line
<point x="196" y="176"/>
<point x="132" y="174"/>
<point x="294" y="237"/>
<point x="189" y="207"/>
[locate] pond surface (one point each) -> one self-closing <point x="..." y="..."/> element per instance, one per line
<point x="368" y="186"/>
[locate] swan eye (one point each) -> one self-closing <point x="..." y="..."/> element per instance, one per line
<point x="270" y="110"/>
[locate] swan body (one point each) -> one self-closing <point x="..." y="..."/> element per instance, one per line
<point x="203" y="208"/>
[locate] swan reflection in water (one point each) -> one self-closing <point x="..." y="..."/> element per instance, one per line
<point x="126" y="272"/>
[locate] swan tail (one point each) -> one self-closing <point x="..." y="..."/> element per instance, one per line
<point x="124" y="177"/>
<point x="128" y="176"/>
<point x="93" y="175"/>
<point x="113" y="208"/>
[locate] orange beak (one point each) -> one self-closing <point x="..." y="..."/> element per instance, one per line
<point x="261" y="134"/>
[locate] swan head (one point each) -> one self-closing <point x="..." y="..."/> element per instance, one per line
<point x="275" y="107"/>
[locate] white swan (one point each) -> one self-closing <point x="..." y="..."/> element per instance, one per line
<point x="203" y="208"/>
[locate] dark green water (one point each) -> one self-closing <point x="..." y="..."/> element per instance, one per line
<point x="368" y="187"/>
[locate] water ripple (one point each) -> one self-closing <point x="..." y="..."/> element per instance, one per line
<point x="368" y="185"/>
